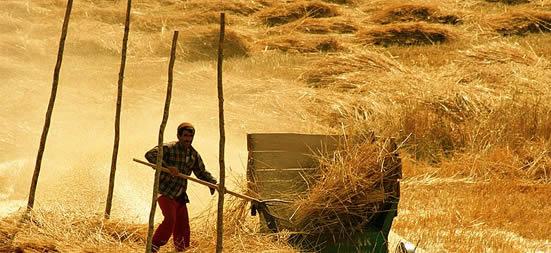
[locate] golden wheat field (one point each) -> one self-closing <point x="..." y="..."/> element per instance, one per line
<point x="463" y="86"/>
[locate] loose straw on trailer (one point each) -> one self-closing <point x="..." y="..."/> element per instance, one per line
<point x="221" y="184"/>
<point x="109" y="202"/>
<point x="53" y="93"/>
<point x="160" y="143"/>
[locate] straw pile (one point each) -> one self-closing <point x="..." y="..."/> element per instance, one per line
<point x="202" y="44"/>
<point x="521" y="22"/>
<point x="511" y="2"/>
<point x="285" y="13"/>
<point x="414" y="13"/>
<point x="318" y="26"/>
<point x="406" y="34"/>
<point x="351" y="188"/>
<point x="298" y="43"/>
<point x="348" y="69"/>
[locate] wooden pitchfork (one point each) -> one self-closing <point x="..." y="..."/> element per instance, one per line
<point x="256" y="204"/>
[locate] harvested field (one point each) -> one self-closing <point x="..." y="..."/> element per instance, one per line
<point x="400" y="13"/>
<point x="522" y="22"/>
<point x="288" y="12"/>
<point x="470" y="113"/>
<point x="298" y="43"/>
<point x="406" y="34"/>
<point x="317" y="26"/>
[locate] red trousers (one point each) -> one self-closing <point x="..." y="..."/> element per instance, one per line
<point x="175" y="223"/>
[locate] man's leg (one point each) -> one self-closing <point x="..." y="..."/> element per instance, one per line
<point x="181" y="229"/>
<point x="163" y="232"/>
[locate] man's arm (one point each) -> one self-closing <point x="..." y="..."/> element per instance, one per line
<point x="200" y="171"/>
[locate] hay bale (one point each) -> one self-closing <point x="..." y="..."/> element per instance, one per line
<point x="522" y="22"/>
<point x="405" y="34"/>
<point x="339" y="71"/>
<point x="318" y="26"/>
<point x="285" y="13"/>
<point x="201" y="43"/>
<point x="400" y="13"/>
<point x="353" y="186"/>
<point x="296" y="43"/>
<point x="510" y="2"/>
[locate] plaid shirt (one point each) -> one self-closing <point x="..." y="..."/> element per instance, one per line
<point x="186" y="161"/>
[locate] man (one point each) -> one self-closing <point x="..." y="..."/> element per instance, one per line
<point x="178" y="157"/>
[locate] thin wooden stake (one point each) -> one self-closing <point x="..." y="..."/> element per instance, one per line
<point x="53" y="93"/>
<point x="109" y="200"/>
<point x="160" y="143"/>
<point x="221" y="184"/>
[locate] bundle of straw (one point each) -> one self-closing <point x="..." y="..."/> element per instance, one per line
<point x="352" y="187"/>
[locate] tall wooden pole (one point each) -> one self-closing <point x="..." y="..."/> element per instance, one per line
<point x="109" y="201"/>
<point x="221" y="187"/>
<point x="160" y="143"/>
<point x="53" y="93"/>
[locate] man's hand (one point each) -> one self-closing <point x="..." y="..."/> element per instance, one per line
<point x="173" y="171"/>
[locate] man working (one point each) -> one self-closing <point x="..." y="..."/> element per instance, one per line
<point x="178" y="157"/>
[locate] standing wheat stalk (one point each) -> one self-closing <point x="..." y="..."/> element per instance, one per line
<point x="53" y="93"/>
<point x="221" y="187"/>
<point x="109" y="201"/>
<point x="160" y="143"/>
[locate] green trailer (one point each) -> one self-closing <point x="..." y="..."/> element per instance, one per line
<point x="278" y="165"/>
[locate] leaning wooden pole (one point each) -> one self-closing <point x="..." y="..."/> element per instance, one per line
<point x="160" y="143"/>
<point x="53" y="93"/>
<point x="109" y="201"/>
<point x="221" y="187"/>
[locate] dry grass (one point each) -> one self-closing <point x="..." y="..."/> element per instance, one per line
<point x="317" y="26"/>
<point x="285" y="13"/>
<point x="522" y="22"/>
<point x="463" y="215"/>
<point x="349" y="191"/>
<point x="300" y="43"/>
<point x="414" y="13"/>
<point x="406" y="34"/>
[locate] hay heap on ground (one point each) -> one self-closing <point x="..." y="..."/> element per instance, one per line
<point x="406" y="34"/>
<point x="318" y="26"/>
<point x="349" y="70"/>
<point x="286" y="13"/>
<point x="414" y="13"/>
<point x="300" y="43"/>
<point x="511" y="2"/>
<point x="353" y="186"/>
<point x="522" y="22"/>
<point x="202" y="44"/>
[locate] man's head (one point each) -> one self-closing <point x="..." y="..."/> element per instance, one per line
<point x="185" y="134"/>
